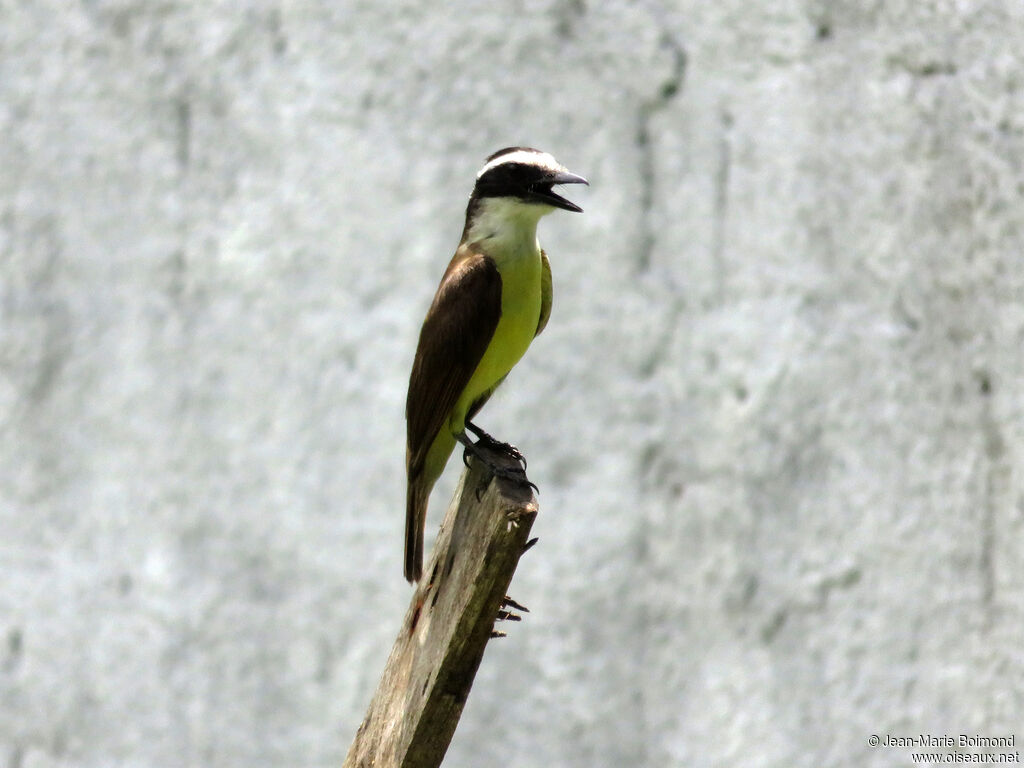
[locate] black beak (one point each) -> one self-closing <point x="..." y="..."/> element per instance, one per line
<point x="542" y="193"/>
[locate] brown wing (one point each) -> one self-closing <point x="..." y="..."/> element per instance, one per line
<point x="458" y="327"/>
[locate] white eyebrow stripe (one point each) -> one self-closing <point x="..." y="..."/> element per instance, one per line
<point x="540" y="159"/>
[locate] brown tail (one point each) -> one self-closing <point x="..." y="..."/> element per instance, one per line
<point x="415" y="521"/>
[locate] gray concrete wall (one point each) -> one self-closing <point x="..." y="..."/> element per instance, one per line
<point x="777" y="418"/>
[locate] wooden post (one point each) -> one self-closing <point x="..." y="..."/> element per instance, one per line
<point x="432" y="664"/>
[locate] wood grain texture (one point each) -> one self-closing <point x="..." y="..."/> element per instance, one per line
<point x="428" y="675"/>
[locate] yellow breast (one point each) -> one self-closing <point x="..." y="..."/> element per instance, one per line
<point x="520" y="312"/>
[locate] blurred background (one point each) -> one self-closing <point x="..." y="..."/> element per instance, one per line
<point x="776" y="419"/>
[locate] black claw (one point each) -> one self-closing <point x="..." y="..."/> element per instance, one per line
<point x="528" y="545"/>
<point x="496" y="633"/>
<point x="512" y="451"/>
<point x="508" y="616"/>
<point x="485" y="480"/>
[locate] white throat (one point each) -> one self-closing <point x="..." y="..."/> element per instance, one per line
<point x="506" y="226"/>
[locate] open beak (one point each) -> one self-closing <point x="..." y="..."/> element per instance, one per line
<point x="543" y="193"/>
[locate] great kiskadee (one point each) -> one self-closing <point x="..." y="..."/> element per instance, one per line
<point x="493" y="299"/>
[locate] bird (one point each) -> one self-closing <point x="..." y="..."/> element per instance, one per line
<point x="493" y="300"/>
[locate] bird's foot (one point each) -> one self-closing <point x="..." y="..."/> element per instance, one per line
<point x="478" y="451"/>
<point x="513" y="474"/>
<point x="484" y="440"/>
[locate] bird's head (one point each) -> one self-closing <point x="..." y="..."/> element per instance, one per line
<point x="526" y="176"/>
